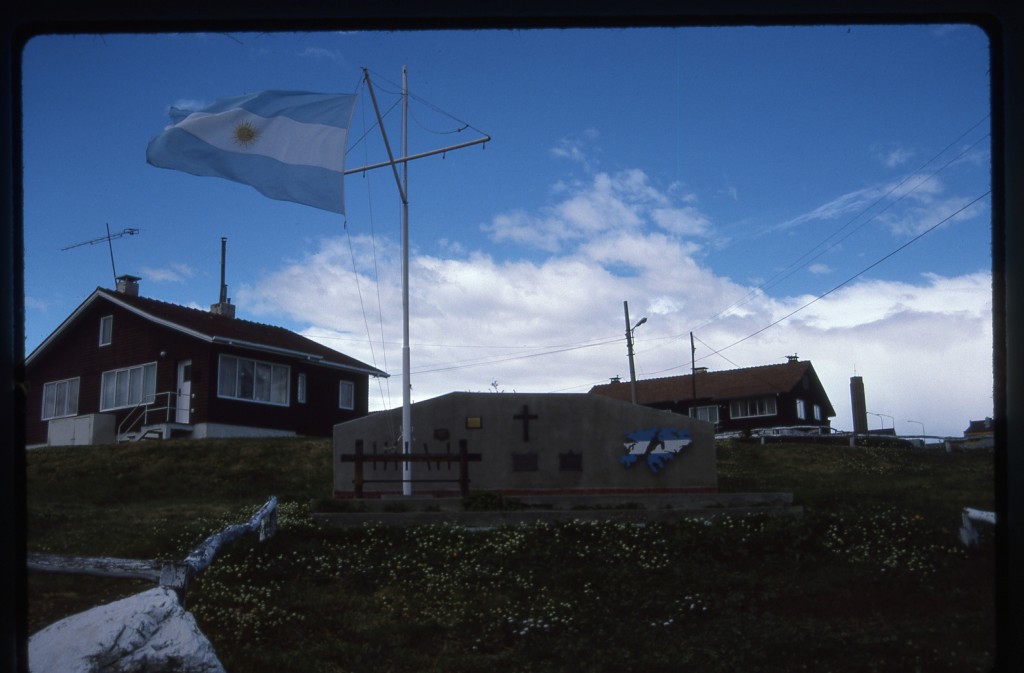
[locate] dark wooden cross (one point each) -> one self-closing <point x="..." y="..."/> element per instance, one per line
<point x="525" y="417"/>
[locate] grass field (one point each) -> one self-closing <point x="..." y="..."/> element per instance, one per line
<point x="870" y="578"/>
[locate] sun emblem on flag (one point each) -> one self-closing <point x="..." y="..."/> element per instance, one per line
<point x="245" y="134"/>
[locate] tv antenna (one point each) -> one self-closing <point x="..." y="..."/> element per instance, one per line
<point x="127" y="231"/>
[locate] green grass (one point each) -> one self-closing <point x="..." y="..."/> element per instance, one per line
<point x="870" y="578"/>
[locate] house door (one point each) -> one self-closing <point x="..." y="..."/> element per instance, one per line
<point x="184" y="391"/>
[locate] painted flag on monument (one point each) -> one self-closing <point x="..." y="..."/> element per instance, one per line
<point x="288" y="145"/>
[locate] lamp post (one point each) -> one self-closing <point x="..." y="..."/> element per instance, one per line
<point x="919" y="423"/>
<point x="880" y="421"/>
<point x="629" y="350"/>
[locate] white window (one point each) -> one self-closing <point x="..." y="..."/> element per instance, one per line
<point x="346" y="395"/>
<point x="801" y="409"/>
<point x="762" y="406"/>
<point x="60" y="398"/>
<point x="128" y="387"/>
<point x="300" y="389"/>
<point x="817" y="412"/>
<point x="709" y="414"/>
<point x="106" y="330"/>
<point x="253" y="380"/>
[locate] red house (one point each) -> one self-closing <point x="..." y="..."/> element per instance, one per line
<point x="122" y="366"/>
<point x="738" y="400"/>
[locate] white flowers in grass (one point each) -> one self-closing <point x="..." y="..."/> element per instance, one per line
<point x="889" y="539"/>
<point x="506" y="585"/>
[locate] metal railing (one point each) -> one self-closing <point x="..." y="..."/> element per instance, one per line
<point x="140" y="414"/>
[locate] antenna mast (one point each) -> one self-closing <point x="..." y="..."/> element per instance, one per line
<point x="127" y="231"/>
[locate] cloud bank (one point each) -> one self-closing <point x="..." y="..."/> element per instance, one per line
<point x="547" y="314"/>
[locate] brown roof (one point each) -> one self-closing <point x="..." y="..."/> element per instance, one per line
<point x="723" y="385"/>
<point x="223" y="329"/>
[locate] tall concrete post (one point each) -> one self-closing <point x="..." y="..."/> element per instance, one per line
<point x="860" y="408"/>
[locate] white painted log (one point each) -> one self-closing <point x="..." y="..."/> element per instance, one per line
<point x="968" y="532"/>
<point x="98" y="566"/>
<point x="264" y="521"/>
<point x="147" y="631"/>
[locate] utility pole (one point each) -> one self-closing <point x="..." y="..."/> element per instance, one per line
<point x="693" y="368"/>
<point x="629" y="350"/>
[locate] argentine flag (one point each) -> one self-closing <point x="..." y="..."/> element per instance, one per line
<point x="288" y="145"/>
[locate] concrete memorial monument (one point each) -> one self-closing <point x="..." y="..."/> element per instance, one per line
<point x="525" y="444"/>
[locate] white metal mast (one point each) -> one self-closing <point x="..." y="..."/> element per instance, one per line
<point x="403" y="191"/>
<point x="406" y="357"/>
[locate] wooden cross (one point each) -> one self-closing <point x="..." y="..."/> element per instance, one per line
<point x="525" y="417"/>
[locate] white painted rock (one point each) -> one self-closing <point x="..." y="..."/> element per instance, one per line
<point x="145" y="632"/>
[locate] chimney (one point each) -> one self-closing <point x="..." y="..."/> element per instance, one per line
<point x="128" y="285"/>
<point x="792" y="358"/>
<point x="700" y="370"/>
<point x="860" y="408"/>
<point x="223" y="306"/>
<point x="616" y="379"/>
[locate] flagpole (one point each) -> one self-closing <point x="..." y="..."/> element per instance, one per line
<point x="406" y="356"/>
<point x="403" y="190"/>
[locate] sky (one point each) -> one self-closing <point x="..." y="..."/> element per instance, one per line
<point x="820" y="191"/>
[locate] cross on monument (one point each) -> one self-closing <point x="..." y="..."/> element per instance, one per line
<point x="525" y="417"/>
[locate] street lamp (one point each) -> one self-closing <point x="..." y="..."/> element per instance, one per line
<point x="629" y="350"/>
<point x="919" y="423"/>
<point x="881" y="416"/>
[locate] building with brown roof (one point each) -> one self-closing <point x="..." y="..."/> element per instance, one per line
<point x="738" y="400"/>
<point x="123" y="366"/>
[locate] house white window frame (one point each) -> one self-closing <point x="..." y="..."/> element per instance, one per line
<point x="300" y="388"/>
<point x="106" y="330"/>
<point x="128" y="387"/>
<point x="817" y="412"/>
<point x="346" y="395"/>
<point x="706" y="413"/>
<point x="753" y="407"/>
<point x="60" y="398"/>
<point x="274" y="390"/>
<point x="801" y="409"/>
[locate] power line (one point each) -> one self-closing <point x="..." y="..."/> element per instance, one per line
<point x="791" y="268"/>
<point x="861" y="272"/>
<point x="524" y="356"/>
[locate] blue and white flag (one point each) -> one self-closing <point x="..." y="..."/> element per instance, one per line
<point x="289" y="145"/>
<point x="657" y="445"/>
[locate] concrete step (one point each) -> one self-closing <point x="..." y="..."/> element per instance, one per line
<point x="410" y="511"/>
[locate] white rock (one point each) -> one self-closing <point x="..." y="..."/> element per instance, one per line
<point x="149" y="631"/>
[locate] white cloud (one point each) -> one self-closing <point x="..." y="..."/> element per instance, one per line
<point x="605" y="206"/>
<point x="321" y="54"/>
<point x="897" y="157"/>
<point x="36" y="304"/>
<point x="844" y="205"/>
<point x="578" y="149"/>
<point x="819" y="269"/>
<point x="928" y="214"/>
<point x="174" y="272"/>
<point x="554" y="322"/>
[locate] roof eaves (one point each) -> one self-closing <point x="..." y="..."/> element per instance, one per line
<point x="158" y="320"/>
<point x="313" y="357"/>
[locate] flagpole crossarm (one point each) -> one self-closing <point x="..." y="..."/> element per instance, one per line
<point x="421" y="155"/>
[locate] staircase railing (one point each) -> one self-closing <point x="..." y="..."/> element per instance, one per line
<point x="141" y="413"/>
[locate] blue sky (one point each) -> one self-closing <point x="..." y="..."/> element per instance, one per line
<point x="720" y="180"/>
